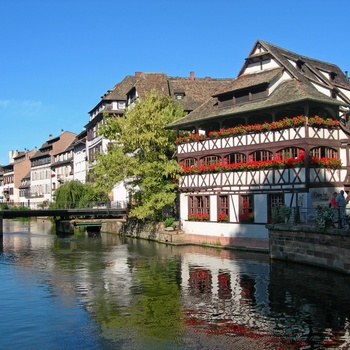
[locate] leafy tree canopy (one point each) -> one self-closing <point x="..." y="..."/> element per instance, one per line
<point x="140" y="153"/>
<point x="74" y="194"/>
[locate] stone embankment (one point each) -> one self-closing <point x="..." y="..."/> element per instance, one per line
<point x="328" y="248"/>
<point x="157" y="232"/>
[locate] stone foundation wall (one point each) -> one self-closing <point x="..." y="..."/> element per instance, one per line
<point x="329" y="248"/>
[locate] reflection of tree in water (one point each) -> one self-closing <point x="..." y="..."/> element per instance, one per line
<point x="154" y="311"/>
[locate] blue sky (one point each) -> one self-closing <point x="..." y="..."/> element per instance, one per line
<point x="58" y="57"/>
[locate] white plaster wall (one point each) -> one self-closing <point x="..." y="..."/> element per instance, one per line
<point x="80" y="163"/>
<point x="345" y="92"/>
<point x="255" y="67"/>
<point x="230" y="230"/>
<point x="322" y="89"/>
<point x="213" y="207"/>
<point x="272" y="87"/>
<point x="233" y="207"/>
<point x="120" y="193"/>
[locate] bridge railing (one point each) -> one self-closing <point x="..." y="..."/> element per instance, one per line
<point x="64" y="205"/>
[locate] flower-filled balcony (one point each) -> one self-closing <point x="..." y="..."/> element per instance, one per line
<point x="264" y="173"/>
<point x="294" y="128"/>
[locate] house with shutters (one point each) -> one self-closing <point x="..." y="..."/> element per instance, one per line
<point x="42" y="176"/>
<point x="62" y="167"/>
<point x="276" y="136"/>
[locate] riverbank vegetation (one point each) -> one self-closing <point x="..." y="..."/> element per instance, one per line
<point x="74" y="194"/>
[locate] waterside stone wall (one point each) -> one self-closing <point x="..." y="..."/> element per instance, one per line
<point x="328" y="248"/>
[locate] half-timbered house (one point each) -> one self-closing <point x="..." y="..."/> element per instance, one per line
<point x="276" y="136"/>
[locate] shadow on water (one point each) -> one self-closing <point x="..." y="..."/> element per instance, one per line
<point x="318" y="299"/>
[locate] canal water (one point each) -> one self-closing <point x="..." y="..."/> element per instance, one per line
<point x="109" y="292"/>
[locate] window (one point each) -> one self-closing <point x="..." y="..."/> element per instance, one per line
<point x="275" y="200"/>
<point x="179" y="96"/>
<point x="223" y="205"/>
<point x="260" y="155"/>
<point x="223" y="208"/>
<point x="246" y="208"/>
<point x="210" y="160"/>
<point x="189" y="162"/>
<point x="198" y="207"/>
<point x="121" y="104"/>
<point x="322" y="151"/>
<point x="235" y="158"/>
<point x="290" y="152"/>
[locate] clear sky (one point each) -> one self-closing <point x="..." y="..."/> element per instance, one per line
<point x="58" y="57"/>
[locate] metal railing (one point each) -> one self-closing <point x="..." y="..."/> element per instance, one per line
<point x="336" y="217"/>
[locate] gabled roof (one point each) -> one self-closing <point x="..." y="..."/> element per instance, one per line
<point x="300" y="87"/>
<point x="118" y="92"/>
<point x="148" y="81"/>
<point x="310" y="67"/>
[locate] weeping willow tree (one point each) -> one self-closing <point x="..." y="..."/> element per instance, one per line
<point x="141" y="155"/>
<point x="74" y="194"/>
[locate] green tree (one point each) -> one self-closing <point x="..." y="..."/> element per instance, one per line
<point x="140" y="153"/>
<point x="74" y="194"/>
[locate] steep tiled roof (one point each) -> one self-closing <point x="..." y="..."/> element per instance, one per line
<point x="149" y="81"/>
<point x="247" y="80"/>
<point x="119" y="91"/>
<point x="310" y="66"/>
<point x="195" y="91"/>
<point x="298" y="89"/>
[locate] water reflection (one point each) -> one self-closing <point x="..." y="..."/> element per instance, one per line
<point x="134" y="294"/>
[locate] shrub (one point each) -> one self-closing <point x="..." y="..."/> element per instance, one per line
<point x="169" y="222"/>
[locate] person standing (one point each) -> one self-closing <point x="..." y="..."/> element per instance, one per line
<point x="341" y="202"/>
<point x="333" y="201"/>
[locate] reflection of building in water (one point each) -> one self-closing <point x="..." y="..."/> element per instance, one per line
<point x="221" y="289"/>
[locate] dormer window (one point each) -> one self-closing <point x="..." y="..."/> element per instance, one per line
<point x="332" y="76"/>
<point x="300" y="64"/>
<point x="179" y="94"/>
<point x="117" y="105"/>
<point x="252" y="93"/>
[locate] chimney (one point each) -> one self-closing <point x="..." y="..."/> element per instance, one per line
<point x="50" y="137"/>
<point x="138" y="74"/>
<point x="191" y="75"/>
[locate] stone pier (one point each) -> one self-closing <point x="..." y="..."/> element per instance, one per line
<point x="328" y="248"/>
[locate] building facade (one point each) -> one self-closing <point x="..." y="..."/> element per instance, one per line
<point x="277" y="136"/>
<point x="41" y="175"/>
